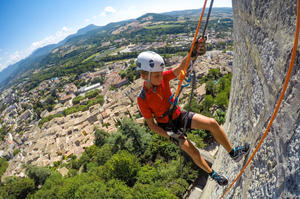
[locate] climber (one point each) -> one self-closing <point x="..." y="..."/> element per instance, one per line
<point x="153" y="102"/>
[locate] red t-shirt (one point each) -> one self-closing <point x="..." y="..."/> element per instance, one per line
<point x="156" y="101"/>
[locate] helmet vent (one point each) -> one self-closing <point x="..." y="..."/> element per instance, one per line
<point x="151" y="63"/>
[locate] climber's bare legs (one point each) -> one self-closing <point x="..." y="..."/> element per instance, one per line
<point x="210" y="124"/>
<point x="193" y="152"/>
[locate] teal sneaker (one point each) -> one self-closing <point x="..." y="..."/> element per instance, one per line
<point x="239" y="152"/>
<point x="221" y="180"/>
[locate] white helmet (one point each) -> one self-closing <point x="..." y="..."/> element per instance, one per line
<point x="150" y="61"/>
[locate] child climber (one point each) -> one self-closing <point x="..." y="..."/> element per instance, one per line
<point x="153" y="102"/>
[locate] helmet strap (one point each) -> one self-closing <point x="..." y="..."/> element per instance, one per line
<point x="149" y="80"/>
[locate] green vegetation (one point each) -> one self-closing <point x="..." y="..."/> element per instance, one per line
<point x="3" y="132"/>
<point x="130" y="163"/>
<point x="3" y="166"/>
<point x="16" y="151"/>
<point x="15" y="187"/>
<point x="214" y="104"/>
<point x="48" y="105"/>
<point x="77" y="99"/>
<point x="38" y="174"/>
<point x="93" y="97"/>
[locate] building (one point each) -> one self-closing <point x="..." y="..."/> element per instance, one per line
<point x="24" y="116"/>
<point x="66" y="98"/>
<point x="86" y="89"/>
<point x="119" y="81"/>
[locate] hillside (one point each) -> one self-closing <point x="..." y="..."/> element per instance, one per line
<point x="91" y="38"/>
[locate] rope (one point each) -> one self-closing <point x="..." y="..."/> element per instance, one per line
<point x="207" y="17"/>
<point x="182" y="74"/>
<point x="280" y="99"/>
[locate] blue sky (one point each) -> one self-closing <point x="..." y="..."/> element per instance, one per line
<point x="26" y="25"/>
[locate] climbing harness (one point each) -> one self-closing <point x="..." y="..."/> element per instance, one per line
<point x="188" y="71"/>
<point x="286" y="82"/>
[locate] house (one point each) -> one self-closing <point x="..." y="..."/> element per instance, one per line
<point x="70" y="88"/>
<point x="66" y="98"/>
<point x="119" y="81"/>
<point x="27" y="114"/>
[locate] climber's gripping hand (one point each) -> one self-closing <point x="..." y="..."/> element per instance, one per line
<point x="199" y="48"/>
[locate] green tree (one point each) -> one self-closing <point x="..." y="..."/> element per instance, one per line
<point x="222" y="100"/>
<point x="100" y="137"/>
<point x="19" y="188"/>
<point x="151" y="191"/>
<point x="38" y="174"/>
<point x="118" y="190"/>
<point x="207" y="102"/>
<point x="92" y="94"/>
<point x="123" y="166"/>
<point x="214" y="73"/>
<point x="71" y="185"/>
<point x="3" y="166"/>
<point x="95" y="190"/>
<point x="137" y="138"/>
<point x="51" y="188"/>
<point x="147" y="175"/>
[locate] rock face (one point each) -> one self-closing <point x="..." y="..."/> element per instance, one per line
<point x="263" y="35"/>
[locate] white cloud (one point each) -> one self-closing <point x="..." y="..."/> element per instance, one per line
<point x="103" y="14"/>
<point x="109" y="9"/>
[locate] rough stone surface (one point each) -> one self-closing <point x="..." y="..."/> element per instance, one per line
<point x="263" y="35"/>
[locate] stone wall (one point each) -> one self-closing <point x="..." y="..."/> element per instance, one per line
<point x="263" y="39"/>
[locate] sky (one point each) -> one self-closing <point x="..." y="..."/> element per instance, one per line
<point x="26" y="25"/>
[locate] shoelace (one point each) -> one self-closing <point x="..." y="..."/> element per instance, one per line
<point x="215" y="176"/>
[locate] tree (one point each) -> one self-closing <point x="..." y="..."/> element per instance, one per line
<point x="137" y="139"/>
<point x="118" y="189"/>
<point x="50" y="190"/>
<point x="147" y="175"/>
<point x="95" y="190"/>
<point x="38" y="174"/>
<point x="19" y="188"/>
<point x="208" y="102"/>
<point x="222" y="100"/>
<point x="100" y="137"/>
<point x="123" y="166"/>
<point x="3" y="166"/>
<point x="151" y="191"/>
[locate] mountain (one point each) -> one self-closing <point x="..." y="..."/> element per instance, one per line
<point x="20" y="67"/>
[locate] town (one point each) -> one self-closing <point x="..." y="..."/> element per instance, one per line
<point x="58" y="117"/>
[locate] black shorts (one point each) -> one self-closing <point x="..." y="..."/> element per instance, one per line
<point x="179" y="122"/>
